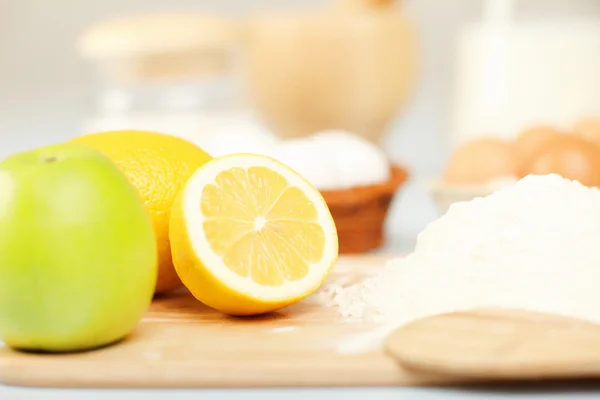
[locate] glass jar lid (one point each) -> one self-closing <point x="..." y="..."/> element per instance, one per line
<point x="161" y="46"/>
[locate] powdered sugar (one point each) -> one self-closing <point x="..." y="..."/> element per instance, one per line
<point x="532" y="245"/>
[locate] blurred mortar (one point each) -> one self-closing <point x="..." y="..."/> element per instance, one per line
<point x="350" y="66"/>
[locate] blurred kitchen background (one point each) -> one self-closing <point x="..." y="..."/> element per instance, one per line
<point x="416" y="78"/>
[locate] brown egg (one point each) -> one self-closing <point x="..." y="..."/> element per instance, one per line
<point x="531" y="139"/>
<point x="481" y="160"/>
<point x="569" y="156"/>
<point x="588" y="128"/>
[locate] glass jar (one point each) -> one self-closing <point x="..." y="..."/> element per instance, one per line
<point x="170" y="73"/>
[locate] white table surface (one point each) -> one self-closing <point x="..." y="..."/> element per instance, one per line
<point x="409" y="215"/>
<point x="573" y="391"/>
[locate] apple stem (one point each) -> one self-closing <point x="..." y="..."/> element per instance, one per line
<point x="50" y="159"/>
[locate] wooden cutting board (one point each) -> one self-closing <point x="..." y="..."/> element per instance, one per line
<point x="181" y="343"/>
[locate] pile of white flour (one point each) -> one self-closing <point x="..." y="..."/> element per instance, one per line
<point x="532" y="245"/>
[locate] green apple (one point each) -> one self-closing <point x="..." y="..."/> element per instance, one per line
<point x="78" y="259"/>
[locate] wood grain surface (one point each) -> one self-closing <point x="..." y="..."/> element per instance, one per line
<point x="181" y="343"/>
<point x="499" y="344"/>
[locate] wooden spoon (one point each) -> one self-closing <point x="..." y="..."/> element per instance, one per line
<point x="499" y="344"/>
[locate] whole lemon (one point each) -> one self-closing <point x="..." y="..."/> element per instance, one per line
<point x="158" y="165"/>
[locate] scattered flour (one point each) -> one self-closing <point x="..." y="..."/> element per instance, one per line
<point x="153" y="355"/>
<point x="282" y="329"/>
<point x="533" y="245"/>
<point x="363" y="342"/>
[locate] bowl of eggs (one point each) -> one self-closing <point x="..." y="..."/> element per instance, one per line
<point x="482" y="165"/>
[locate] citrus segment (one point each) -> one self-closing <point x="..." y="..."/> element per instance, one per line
<point x="249" y="235"/>
<point x="292" y="204"/>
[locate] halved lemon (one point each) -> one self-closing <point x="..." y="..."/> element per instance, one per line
<point x="249" y="235"/>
